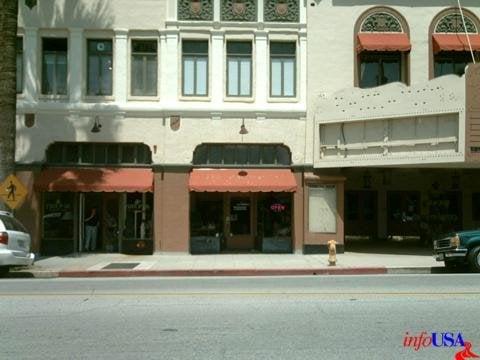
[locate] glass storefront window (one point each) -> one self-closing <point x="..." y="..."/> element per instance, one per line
<point x="206" y="215"/>
<point x="58" y="215"/>
<point x="138" y="221"/>
<point x="275" y="215"/>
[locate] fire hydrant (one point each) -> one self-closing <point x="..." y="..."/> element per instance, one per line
<point x="332" y="252"/>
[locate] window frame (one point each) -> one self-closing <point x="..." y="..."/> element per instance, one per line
<point x="56" y="53"/>
<point x="283" y="58"/>
<point x="145" y="55"/>
<point x="195" y="57"/>
<point x="237" y="57"/>
<point x="20" y="86"/>
<point x="111" y="53"/>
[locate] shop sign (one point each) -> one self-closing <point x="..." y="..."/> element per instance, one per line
<point x="13" y="192"/>
<point x="277" y="207"/>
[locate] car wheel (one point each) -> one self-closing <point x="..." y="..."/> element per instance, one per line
<point x="474" y="259"/>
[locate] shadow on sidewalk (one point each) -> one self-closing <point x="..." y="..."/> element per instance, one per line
<point x="388" y="247"/>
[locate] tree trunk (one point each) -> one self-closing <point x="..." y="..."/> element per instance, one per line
<point x="8" y="96"/>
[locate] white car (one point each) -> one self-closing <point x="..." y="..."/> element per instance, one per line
<point x="14" y="243"/>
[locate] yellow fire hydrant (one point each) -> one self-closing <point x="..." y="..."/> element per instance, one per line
<point x="332" y="252"/>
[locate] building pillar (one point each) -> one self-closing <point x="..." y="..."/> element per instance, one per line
<point x="120" y="78"/>
<point x="262" y="83"/>
<point x="31" y="75"/>
<point x="217" y="73"/>
<point x="75" y="61"/>
<point x="298" y="215"/>
<point x="169" y="45"/>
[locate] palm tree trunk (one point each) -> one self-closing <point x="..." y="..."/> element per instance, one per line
<point x="8" y="96"/>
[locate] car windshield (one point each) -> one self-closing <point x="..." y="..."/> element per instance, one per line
<point x="12" y="224"/>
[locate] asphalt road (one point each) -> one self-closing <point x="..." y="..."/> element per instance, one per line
<point x="330" y="317"/>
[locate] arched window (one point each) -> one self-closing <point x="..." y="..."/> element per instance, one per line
<point x="451" y="49"/>
<point x="382" y="48"/>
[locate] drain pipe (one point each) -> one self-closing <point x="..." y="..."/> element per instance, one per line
<point x="465" y="29"/>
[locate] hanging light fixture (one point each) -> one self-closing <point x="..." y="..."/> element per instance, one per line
<point x="96" y="125"/>
<point x="243" y="129"/>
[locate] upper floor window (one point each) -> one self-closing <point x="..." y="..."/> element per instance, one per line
<point x="382" y="47"/>
<point x="239" y="68"/>
<point x="451" y="46"/>
<point x="54" y="66"/>
<point x="195" y="68"/>
<point x="282" y="69"/>
<point x="99" y="154"/>
<point x="19" y="79"/>
<point x="100" y="67"/>
<point x="242" y="154"/>
<point x="144" y="68"/>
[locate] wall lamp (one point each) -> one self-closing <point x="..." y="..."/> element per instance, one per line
<point x="96" y="125"/>
<point x="243" y="129"/>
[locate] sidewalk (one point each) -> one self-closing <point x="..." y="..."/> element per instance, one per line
<point x="116" y="265"/>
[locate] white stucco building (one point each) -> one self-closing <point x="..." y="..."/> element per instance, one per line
<point x="237" y="125"/>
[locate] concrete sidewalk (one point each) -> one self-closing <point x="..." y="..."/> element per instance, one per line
<point x="113" y="265"/>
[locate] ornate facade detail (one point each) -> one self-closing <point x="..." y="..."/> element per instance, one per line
<point x="452" y="23"/>
<point x="195" y="10"/>
<point x="239" y="10"/>
<point x="281" y="10"/>
<point x="381" y="22"/>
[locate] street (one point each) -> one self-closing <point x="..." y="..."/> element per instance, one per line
<point x="322" y="317"/>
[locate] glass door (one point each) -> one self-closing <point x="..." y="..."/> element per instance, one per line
<point x="110" y="222"/>
<point x="239" y="223"/>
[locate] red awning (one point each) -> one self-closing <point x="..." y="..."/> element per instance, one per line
<point x="455" y="42"/>
<point x="247" y="180"/>
<point x="95" y="180"/>
<point x="383" y="42"/>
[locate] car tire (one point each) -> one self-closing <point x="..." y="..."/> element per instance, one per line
<point x="474" y="259"/>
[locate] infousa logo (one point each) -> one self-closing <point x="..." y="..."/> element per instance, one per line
<point x="440" y="339"/>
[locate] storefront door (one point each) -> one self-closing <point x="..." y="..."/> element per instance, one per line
<point x="240" y="225"/>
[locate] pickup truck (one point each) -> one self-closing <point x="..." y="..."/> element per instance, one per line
<point x="460" y="247"/>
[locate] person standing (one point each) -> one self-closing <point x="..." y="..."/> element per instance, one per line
<point x="91" y="230"/>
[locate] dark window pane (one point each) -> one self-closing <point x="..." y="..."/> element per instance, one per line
<point x="254" y="154"/>
<point x="215" y="154"/>
<point x="239" y="48"/>
<point x="100" y="154"/>
<point x="87" y="153"/>
<point x="138" y="221"/>
<point x="71" y="153"/>
<point x="274" y="215"/>
<point x="200" y="155"/>
<point x="282" y="48"/>
<point x="351" y="205"/>
<point x="241" y="156"/>
<point x="54" y="153"/>
<point x="283" y="156"/>
<point x="55" y="44"/>
<point x="100" y="46"/>
<point x="268" y="155"/>
<point x="58" y="215"/>
<point x="377" y="68"/>
<point x="195" y="47"/>
<point x="240" y="216"/>
<point x="206" y="215"/>
<point x="144" y="46"/>
<point x="229" y="154"/>
<point x="112" y="154"/>
<point x="128" y="154"/>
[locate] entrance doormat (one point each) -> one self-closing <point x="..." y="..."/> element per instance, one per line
<point x="116" y="266"/>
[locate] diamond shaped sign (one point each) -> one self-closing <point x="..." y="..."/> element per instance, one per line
<point x="13" y="192"/>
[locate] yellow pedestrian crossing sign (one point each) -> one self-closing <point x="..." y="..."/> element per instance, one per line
<point x="13" y="192"/>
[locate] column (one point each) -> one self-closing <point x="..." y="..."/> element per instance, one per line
<point x="75" y="61"/>
<point x="30" y="54"/>
<point x="169" y="78"/>
<point x="262" y="83"/>
<point x="120" y="81"/>
<point x="216" y="68"/>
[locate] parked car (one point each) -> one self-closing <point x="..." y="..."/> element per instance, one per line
<point x="458" y="248"/>
<point x="14" y="243"/>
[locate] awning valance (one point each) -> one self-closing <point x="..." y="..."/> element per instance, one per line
<point x="242" y="180"/>
<point x="96" y="180"/>
<point x="383" y="42"/>
<point x="455" y="42"/>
